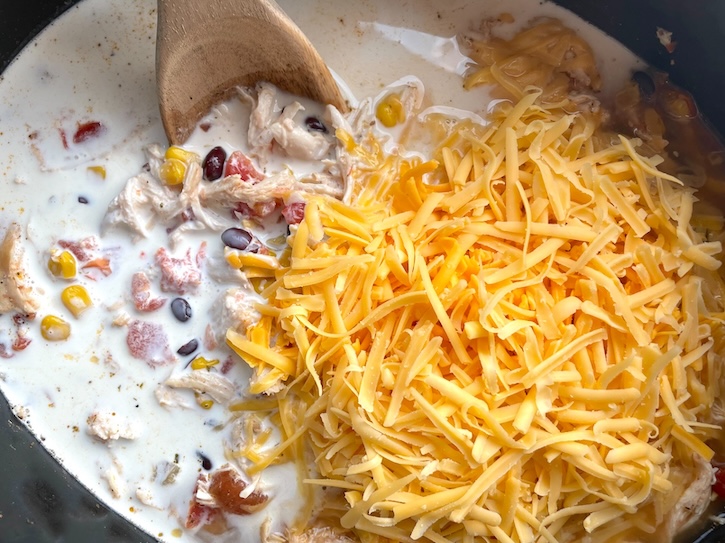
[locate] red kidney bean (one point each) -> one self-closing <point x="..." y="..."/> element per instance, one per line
<point x="213" y="165"/>
<point x="237" y="238"/>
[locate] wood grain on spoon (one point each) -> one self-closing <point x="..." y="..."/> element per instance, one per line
<point x="205" y="49"/>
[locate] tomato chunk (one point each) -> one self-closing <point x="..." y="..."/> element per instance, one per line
<point x="239" y="164"/>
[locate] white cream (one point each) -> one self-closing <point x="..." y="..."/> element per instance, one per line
<point x="96" y="64"/>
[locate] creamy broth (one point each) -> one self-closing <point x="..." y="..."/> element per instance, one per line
<point x="104" y="73"/>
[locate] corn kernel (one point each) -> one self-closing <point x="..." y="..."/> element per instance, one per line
<point x="62" y="264"/>
<point x="172" y="171"/>
<point x="100" y="171"/>
<point x="390" y="111"/>
<point x="199" y="363"/>
<point x="205" y="404"/>
<point x="76" y="299"/>
<point x="54" y="328"/>
<point x="179" y="153"/>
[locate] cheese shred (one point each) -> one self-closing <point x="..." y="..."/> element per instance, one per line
<point x="487" y="355"/>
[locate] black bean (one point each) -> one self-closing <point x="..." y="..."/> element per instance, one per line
<point x="188" y="348"/>
<point x="205" y="462"/>
<point x="645" y="83"/>
<point x="313" y="123"/>
<point x="213" y="165"/>
<point x="181" y="309"/>
<point x="237" y="238"/>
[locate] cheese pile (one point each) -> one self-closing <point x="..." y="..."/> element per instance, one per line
<point x="509" y="340"/>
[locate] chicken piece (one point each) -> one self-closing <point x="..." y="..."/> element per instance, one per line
<point x="108" y="426"/>
<point x="17" y="291"/>
<point x="219" y="271"/>
<point x="245" y="430"/>
<point x="143" y="201"/>
<point x="116" y="482"/>
<point x="168" y="397"/>
<point x="691" y="504"/>
<point x="268" y="125"/>
<point x="319" y="534"/>
<point x="204" y="382"/>
<point x="230" y="190"/>
<point x="146" y="497"/>
<point x="234" y="309"/>
<point x="325" y="183"/>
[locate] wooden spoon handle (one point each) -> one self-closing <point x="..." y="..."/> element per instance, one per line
<point x="204" y="50"/>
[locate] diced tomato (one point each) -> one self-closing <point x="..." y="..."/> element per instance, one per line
<point x="227" y="365"/>
<point x="101" y="264"/>
<point x="239" y="164"/>
<point x="86" y="131"/>
<point x="19" y="319"/>
<point x="719" y="485"/>
<point x="147" y="341"/>
<point x="83" y="250"/>
<point x="208" y="518"/>
<point x="187" y="215"/>
<point x="210" y="342"/>
<point x="141" y="294"/>
<point x="199" y="514"/>
<point x="63" y="138"/>
<point x="226" y="487"/>
<point x="20" y="343"/>
<point x="294" y="213"/>
<point x="179" y="275"/>
<point x="201" y="254"/>
<point x="258" y="211"/>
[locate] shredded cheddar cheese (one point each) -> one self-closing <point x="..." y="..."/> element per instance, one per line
<point x="507" y="341"/>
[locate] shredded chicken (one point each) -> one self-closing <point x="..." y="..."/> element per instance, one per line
<point x="233" y="309"/>
<point x="268" y="124"/>
<point x="116" y="482"/>
<point x="215" y="385"/>
<point x="321" y="534"/>
<point x="108" y="426"/>
<point x="168" y="397"/>
<point x="691" y="504"/>
<point x="145" y="200"/>
<point x="17" y="292"/>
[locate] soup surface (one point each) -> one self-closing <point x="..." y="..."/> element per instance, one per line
<point x="112" y="400"/>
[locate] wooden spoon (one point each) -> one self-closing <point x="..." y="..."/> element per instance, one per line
<point x="205" y="49"/>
